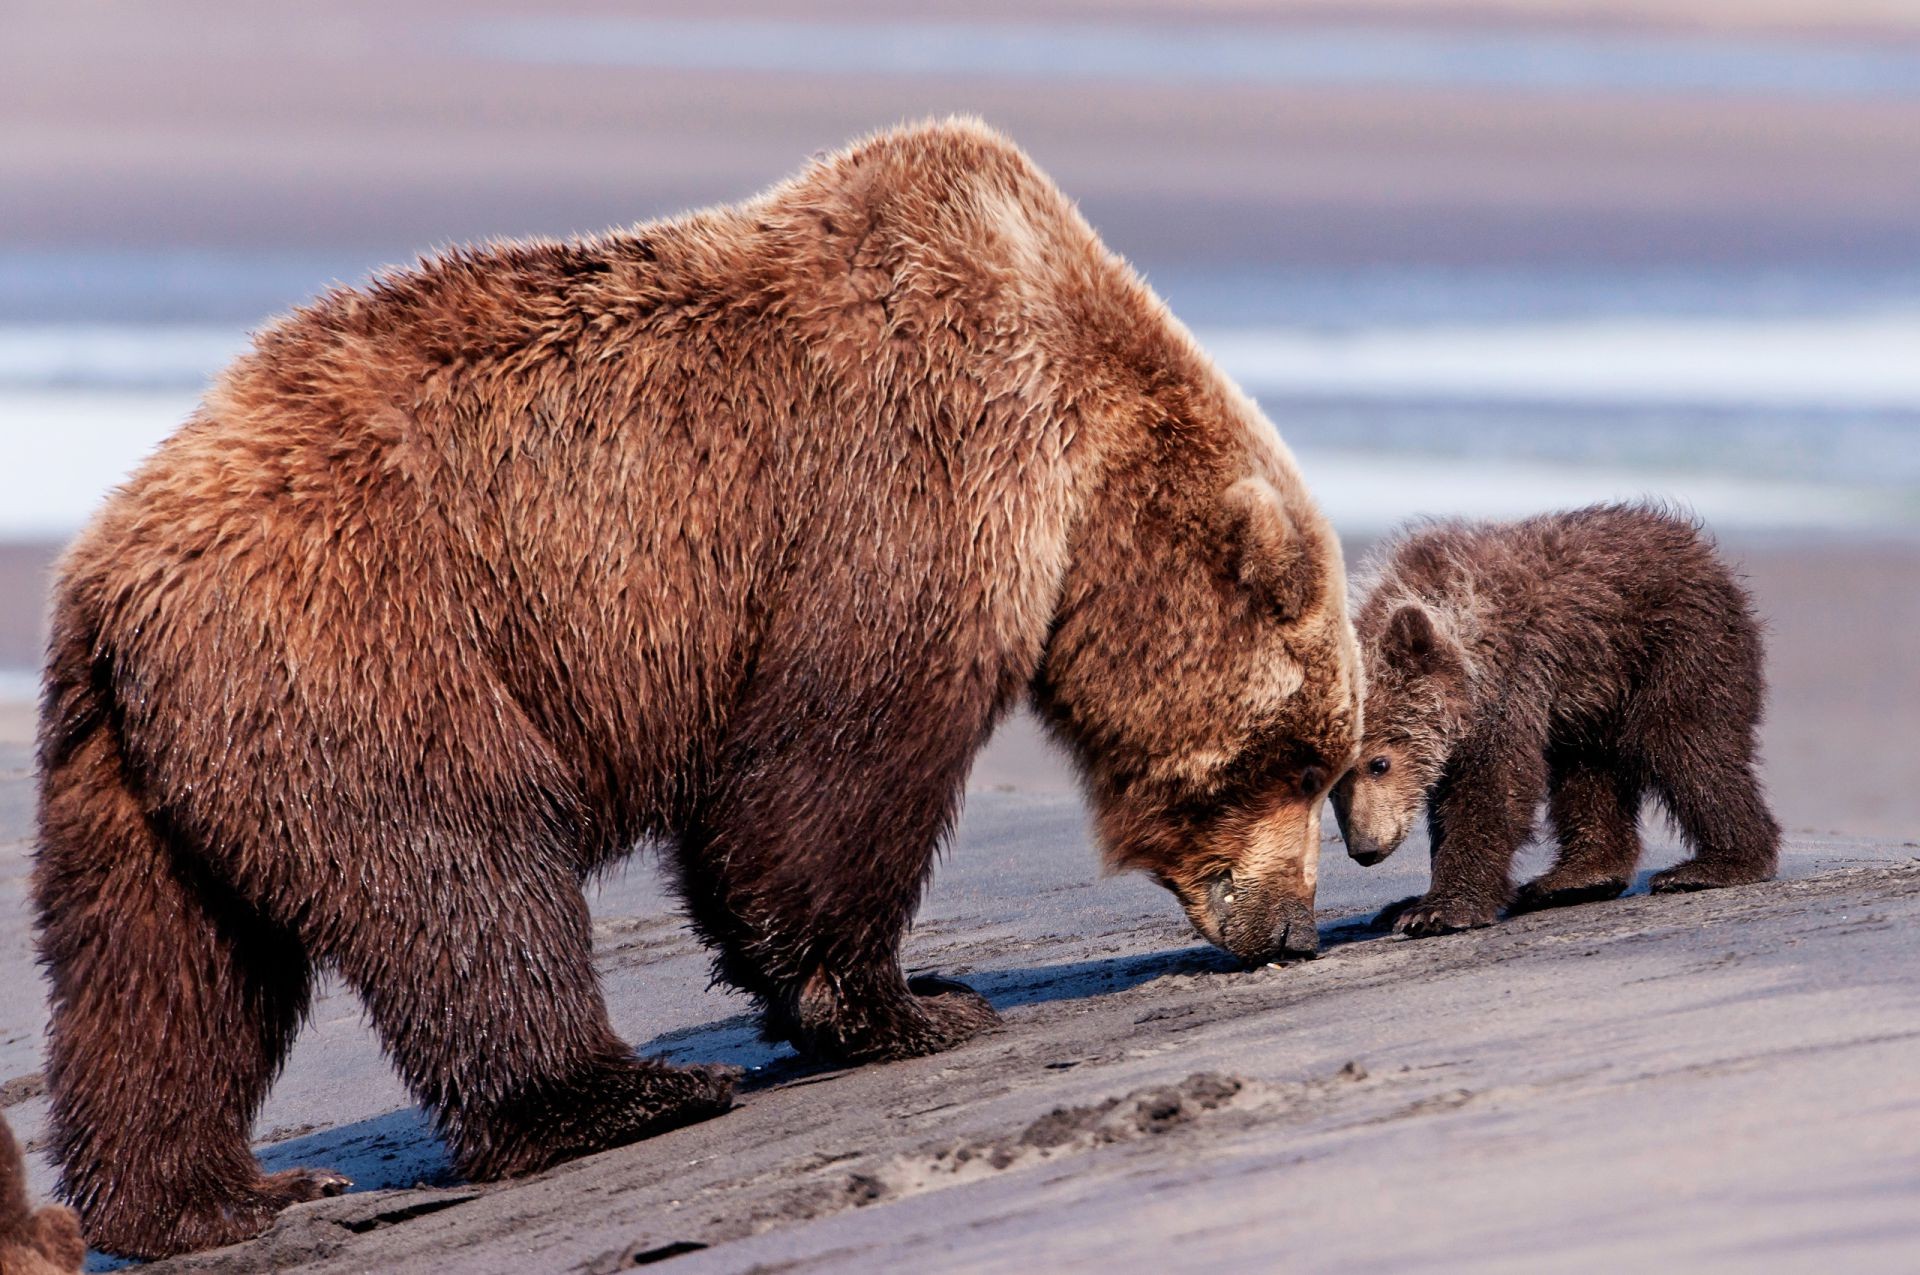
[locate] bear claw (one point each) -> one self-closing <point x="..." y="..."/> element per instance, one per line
<point x="299" y="1186"/>
<point x="1426" y="918"/>
<point x="1694" y="875"/>
<point x="1543" y="893"/>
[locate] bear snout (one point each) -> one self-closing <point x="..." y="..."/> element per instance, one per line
<point x="1288" y="934"/>
<point x="1296" y="935"/>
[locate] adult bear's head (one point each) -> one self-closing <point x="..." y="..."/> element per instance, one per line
<point x="1200" y="664"/>
<point x="1202" y="668"/>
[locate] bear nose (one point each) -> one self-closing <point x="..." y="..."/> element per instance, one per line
<point x="1295" y="934"/>
<point x="1366" y="856"/>
<point x="1298" y="938"/>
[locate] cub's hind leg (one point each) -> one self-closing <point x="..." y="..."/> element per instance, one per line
<point x="1699" y="743"/>
<point x="1718" y="806"/>
<point x="1593" y="803"/>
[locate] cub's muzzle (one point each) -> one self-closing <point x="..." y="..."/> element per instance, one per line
<point x="1361" y="848"/>
<point x="1366" y="855"/>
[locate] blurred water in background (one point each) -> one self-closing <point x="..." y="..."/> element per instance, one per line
<point x="1603" y="354"/>
<point x="1805" y="423"/>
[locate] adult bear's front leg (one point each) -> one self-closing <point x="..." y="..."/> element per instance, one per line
<point x="855" y="1020"/>
<point x="808" y="863"/>
<point x="816" y="938"/>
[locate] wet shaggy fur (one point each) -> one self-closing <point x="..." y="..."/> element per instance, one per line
<point x="43" y="1241"/>
<point x="1588" y="658"/>
<point x="734" y="534"/>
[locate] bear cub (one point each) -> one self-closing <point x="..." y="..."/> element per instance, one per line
<point x="1589" y="658"/>
<point x="43" y="1241"/>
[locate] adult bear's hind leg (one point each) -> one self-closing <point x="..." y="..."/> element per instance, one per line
<point x="174" y="1005"/>
<point x="489" y="1006"/>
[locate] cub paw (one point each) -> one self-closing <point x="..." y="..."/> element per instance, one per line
<point x="1388" y="916"/>
<point x="1428" y="916"/>
<point x="1695" y="875"/>
<point x="1546" y="892"/>
<point x="301" y="1186"/>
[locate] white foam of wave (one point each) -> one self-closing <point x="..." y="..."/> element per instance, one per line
<point x="19" y="686"/>
<point x="64" y="450"/>
<point x="1869" y="361"/>
<point x="1365" y="494"/>
<point x="62" y="447"/>
<point x="1852" y="362"/>
<point x="99" y="355"/>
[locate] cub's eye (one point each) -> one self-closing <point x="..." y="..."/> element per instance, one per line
<point x="1379" y="765"/>
<point x="1312" y="780"/>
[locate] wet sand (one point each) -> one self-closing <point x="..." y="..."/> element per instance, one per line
<point x="1716" y="1081"/>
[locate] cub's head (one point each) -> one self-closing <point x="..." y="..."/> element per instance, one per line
<point x="1416" y="677"/>
<point x="1203" y="669"/>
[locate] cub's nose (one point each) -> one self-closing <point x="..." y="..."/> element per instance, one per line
<point x="1366" y="856"/>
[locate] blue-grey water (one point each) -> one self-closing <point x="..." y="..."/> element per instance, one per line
<point x="1496" y="60"/>
<point x="102" y="354"/>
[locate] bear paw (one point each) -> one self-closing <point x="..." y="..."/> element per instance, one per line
<point x="1428" y="916"/>
<point x="619" y="1103"/>
<point x="301" y="1186"/>
<point x="1695" y="875"/>
<point x="936" y="1015"/>
<point x="208" y="1221"/>
<point x="954" y="1011"/>
<point x="1549" y="892"/>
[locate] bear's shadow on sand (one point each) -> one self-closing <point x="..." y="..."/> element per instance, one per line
<point x="400" y="1149"/>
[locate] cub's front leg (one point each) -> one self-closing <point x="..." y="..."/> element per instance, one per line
<point x="1478" y="819"/>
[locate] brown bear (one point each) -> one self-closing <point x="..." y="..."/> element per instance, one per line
<point x="43" y="1241"/>
<point x="734" y="533"/>
<point x="1588" y="657"/>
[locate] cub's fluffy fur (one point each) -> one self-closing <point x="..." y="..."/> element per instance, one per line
<point x="1588" y="658"/>
<point x="734" y="533"/>
<point x="33" y="1241"/>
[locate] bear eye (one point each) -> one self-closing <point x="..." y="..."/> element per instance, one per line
<point x="1379" y="765"/>
<point x="1311" y="780"/>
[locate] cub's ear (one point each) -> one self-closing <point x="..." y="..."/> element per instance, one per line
<point x="1266" y="549"/>
<point x="1415" y="645"/>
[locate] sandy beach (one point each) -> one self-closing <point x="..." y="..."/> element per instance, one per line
<point x="1717" y="1081"/>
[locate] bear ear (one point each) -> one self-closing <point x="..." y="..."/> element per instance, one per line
<point x="1266" y="551"/>
<point x="1413" y="642"/>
